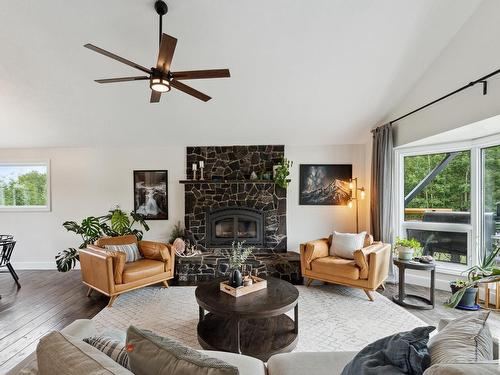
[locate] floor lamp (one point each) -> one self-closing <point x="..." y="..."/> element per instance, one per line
<point x="353" y="185"/>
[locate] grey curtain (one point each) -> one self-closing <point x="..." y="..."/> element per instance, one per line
<point x="382" y="187"/>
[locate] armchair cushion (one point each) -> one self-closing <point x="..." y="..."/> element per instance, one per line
<point x="345" y="244"/>
<point x="332" y="265"/>
<point x="131" y="251"/>
<point x="142" y="269"/>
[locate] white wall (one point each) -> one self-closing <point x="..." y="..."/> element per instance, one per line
<point x="89" y="181"/>
<point x="472" y="53"/>
<point x="312" y="222"/>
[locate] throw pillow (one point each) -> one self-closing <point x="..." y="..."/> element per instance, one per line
<point x="152" y="354"/>
<point x="58" y="354"/>
<point x="345" y="244"/>
<point x="402" y="353"/>
<point x="466" y="339"/>
<point x="130" y="250"/>
<point x="114" y="349"/>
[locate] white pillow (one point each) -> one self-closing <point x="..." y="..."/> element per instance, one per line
<point x="345" y="244"/>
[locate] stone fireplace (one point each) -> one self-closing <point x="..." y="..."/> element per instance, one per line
<point x="229" y="205"/>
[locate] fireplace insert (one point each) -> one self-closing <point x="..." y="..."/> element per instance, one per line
<point x="226" y="225"/>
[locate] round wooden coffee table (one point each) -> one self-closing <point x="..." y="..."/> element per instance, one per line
<point x="254" y="324"/>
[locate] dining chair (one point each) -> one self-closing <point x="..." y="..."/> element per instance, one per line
<point x="6" y="249"/>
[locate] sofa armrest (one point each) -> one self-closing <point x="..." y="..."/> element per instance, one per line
<point x="119" y="260"/>
<point x="378" y="264"/>
<point x="313" y="250"/>
<point x="362" y="257"/>
<point x="97" y="269"/>
<point x="158" y="251"/>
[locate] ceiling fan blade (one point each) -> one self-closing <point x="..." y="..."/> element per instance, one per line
<point x="167" y="48"/>
<point x="189" y="90"/>
<point x="117" y="58"/>
<point x="155" y="96"/>
<point x="123" y="79"/>
<point x="201" y="74"/>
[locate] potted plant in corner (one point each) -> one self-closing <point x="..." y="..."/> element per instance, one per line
<point x="406" y="249"/>
<point x="237" y="256"/>
<point x="464" y="291"/>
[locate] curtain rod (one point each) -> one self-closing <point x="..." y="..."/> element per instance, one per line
<point x="481" y="80"/>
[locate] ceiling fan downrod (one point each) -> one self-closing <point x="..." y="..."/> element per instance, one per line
<point x="162" y="9"/>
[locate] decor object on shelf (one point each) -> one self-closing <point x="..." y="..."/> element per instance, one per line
<point x="160" y="77"/>
<point x="194" y="168"/>
<point x="253" y="176"/>
<point x="237" y="256"/>
<point x="115" y="223"/>
<point x="151" y="194"/>
<point x="353" y="186"/>
<point x="486" y="272"/>
<point x="107" y="272"/>
<point x="202" y="167"/>
<point x="325" y="184"/>
<point x="250" y="284"/>
<point x="179" y="246"/>
<point x="281" y="173"/>
<point x="407" y="248"/>
<point x="368" y="270"/>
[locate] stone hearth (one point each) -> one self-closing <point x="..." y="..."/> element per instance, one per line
<point x="210" y="265"/>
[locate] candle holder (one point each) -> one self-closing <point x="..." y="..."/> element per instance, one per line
<point x="202" y="167"/>
<point x="194" y="167"/>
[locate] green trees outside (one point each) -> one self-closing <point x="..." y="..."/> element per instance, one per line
<point x="491" y="157"/>
<point x="450" y="189"/>
<point x="29" y="189"/>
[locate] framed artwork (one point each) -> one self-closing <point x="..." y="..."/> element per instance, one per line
<point x="324" y="184"/>
<point x="151" y="194"/>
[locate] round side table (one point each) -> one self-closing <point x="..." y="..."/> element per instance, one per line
<point x="403" y="265"/>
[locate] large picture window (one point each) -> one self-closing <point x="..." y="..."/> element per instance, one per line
<point x="448" y="198"/>
<point x="24" y="186"/>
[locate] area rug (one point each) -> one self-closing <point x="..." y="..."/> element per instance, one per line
<point x="331" y="317"/>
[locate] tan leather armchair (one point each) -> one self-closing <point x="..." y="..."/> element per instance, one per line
<point x="368" y="270"/>
<point x="108" y="273"/>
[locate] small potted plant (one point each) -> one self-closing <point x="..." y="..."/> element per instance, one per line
<point x="406" y="248"/>
<point x="468" y="295"/>
<point x="237" y="256"/>
<point x="281" y="172"/>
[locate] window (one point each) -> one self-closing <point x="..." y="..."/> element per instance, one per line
<point x="437" y="199"/>
<point x="490" y="165"/>
<point x="24" y="186"/>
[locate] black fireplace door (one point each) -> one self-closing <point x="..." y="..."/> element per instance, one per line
<point x="226" y="225"/>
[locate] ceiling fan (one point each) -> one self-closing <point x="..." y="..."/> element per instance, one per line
<point x="161" y="78"/>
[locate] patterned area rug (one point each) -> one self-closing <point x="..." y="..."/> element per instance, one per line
<point x="331" y="317"/>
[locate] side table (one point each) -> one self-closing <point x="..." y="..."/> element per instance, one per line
<point x="403" y="265"/>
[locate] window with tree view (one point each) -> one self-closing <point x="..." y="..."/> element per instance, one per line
<point x="24" y="186"/>
<point x="437" y="197"/>
<point x="491" y="196"/>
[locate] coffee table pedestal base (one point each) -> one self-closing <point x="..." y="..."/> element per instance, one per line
<point x="258" y="338"/>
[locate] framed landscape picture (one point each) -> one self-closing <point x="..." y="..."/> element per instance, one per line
<point x="324" y="184"/>
<point x="151" y="194"/>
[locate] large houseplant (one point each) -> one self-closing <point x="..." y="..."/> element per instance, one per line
<point x="115" y="223"/>
<point x="464" y="291"/>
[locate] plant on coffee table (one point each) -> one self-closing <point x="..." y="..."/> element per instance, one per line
<point x="237" y="256"/>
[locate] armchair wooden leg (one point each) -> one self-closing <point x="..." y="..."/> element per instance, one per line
<point x="111" y="300"/>
<point x="89" y="291"/>
<point x="382" y="286"/>
<point x="369" y="294"/>
<point x="309" y="281"/>
<point x="165" y="284"/>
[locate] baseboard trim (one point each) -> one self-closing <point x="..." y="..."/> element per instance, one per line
<point x="37" y="265"/>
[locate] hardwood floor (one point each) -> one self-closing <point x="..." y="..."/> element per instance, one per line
<point x="49" y="300"/>
<point x="46" y="301"/>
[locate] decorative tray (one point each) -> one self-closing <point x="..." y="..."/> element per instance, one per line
<point x="258" y="284"/>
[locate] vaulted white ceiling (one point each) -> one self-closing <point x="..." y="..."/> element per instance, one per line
<point x="303" y="72"/>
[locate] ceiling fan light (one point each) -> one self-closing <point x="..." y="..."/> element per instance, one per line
<point x="159" y="84"/>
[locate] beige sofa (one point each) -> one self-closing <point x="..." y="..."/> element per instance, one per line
<point x="310" y="363"/>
